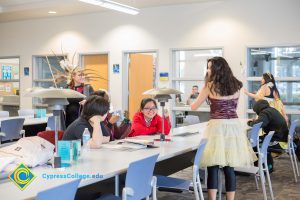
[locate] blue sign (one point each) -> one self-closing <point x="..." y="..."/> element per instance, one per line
<point x="116" y="68"/>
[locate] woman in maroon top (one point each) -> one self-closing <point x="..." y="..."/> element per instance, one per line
<point x="147" y="121"/>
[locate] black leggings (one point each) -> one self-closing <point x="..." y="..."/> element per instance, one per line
<point x="213" y="178"/>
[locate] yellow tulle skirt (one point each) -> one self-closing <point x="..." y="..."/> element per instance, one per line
<point x="227" y="144"/>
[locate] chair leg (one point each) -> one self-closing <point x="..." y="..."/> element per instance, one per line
<point x="292" y="162"/>
<point x="220" y="185"/>
<point x="256" y="182"/>
<point x="269" y="179"/>
<point x="263" y="181"/>
<point x="200" y="187"/>
<point x="195" y="185"/>
<point x="154" y="186"/>
<point x="295" y="159"/>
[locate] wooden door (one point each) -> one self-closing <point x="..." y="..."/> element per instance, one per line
<point x="141" y="78"/>
<point x="98" y="63"/>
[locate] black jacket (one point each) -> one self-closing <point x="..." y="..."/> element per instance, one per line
<point x="272" y="120"/>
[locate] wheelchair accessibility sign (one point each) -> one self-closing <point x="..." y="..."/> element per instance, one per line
<point x="22" y="176"/>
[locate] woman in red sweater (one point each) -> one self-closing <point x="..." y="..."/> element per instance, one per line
<point x="147" y="121"/>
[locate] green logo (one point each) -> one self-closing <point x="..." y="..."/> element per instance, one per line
<point x="22" y="176"/>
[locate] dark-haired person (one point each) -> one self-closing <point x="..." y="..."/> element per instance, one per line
<point x="193" y="95"/>
<point x="269" y="92"/>
<point x="94" y="111"/>
<point x="147" y="121"/>
<point x="110" y="122"/>
<point x="227" y="145"/>
<point x="272" y="121"/>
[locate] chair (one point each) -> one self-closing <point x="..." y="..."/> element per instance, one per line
<point x="291" y="149"/>
<point x="139" y="181"/>
<point x="49" y="135"/>
<point x="51" y="123"/>
<point x="65" y="191"/>
<point x="12" y="129"/>
<point x="262" y="164"/>
<point x="26" y="112"/>
<point x="181" y="184"/>
<point x="4" y="114"/>
<point x="191" y="119"/>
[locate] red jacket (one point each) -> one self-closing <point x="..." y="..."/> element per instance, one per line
<point x="139" y="125"/>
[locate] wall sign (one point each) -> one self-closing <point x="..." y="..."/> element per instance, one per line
<point x="164" y="76"/>
<point x="116" y="68"/>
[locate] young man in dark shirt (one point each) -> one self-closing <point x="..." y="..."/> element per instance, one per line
<point x="272" y="121"/>
<point x="94" y="111"/>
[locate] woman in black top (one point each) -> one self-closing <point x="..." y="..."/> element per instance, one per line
<point x="76" y="83"/>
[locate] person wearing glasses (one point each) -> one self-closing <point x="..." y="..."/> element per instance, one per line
<point x="269" y="92"/>
<point x="147" y="121"/>
<point x="227" y="143"/>
<point x="76" y="82"/>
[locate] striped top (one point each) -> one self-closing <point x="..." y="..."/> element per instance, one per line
<point x="223" y="108"/>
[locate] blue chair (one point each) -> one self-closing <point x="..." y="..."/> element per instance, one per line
<point x="51" y="123"/>
<point x="65" y="191"/>
<point x="12" y="128"/>
<point x="263" y="165"/>
<point x="4" y="114"/>
<point x="291" y="149"/>
<point x="254" y="135"/>
<point x="140" y="182"/>
<point x="181" y="184"/>
<point x="26" y="112"/>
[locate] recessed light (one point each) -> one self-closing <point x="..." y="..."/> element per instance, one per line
<point x="52" y="12"/>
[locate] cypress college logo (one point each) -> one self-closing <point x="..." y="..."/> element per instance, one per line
<point x="22" y="176"/>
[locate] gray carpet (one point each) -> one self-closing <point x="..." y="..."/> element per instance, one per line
<point x="282" y="179"/>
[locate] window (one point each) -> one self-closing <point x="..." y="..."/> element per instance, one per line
<point x="189" y="69"/>
<point x="9" y="85"/>
<point x="42" y="76"/>
<point x="284" y="64"/>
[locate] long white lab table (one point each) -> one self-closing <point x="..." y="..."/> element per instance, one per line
<point x="106" y="162"/>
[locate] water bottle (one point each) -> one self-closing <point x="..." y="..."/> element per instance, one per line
<point x="86" y="136"/>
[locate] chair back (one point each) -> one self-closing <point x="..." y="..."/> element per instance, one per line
<point x="51" y="122"/>
<point x="50" y="135"/>
<point x="4" y="114"/>
<point x="26" y="112"/>
<point x="65" y="191"/>
<point x="265" y="145"/>
<point x="12" y="128"/>
<point x="191" y="119"/>
<point x="139" y="176"/>
<point x="200" y="152"/>
<point x="292" y="129"/>
<point x="254" y="137"/>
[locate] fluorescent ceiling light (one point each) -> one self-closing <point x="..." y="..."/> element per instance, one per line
<point x="113" y="5"/>
<point x="52" y="12"/>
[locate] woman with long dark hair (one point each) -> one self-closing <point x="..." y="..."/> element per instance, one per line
<point x="227" y="145"/>
<point x="269" y="92"/>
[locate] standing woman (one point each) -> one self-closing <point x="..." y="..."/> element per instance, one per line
<point x="227" y="145"/>
<point x="76" y="82"/>
<point x="269" y="92"/>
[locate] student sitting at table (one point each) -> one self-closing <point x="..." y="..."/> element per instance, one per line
<point x="110" y="122"/>
<point x="272" y="121"/>
<point x="94" y="111"/>
<point x="147" y="121"/>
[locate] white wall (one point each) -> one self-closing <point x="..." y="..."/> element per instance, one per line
<point x="231" y="24"/>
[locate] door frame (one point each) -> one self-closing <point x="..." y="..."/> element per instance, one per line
<point x="81" y="60"/>
<point x="125" y="73"/>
